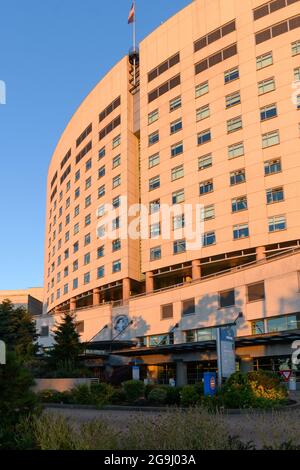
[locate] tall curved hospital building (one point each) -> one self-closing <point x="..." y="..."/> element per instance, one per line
<point x="205" y="115"/>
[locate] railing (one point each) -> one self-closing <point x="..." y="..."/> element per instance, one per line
<point x="281" y="253"/>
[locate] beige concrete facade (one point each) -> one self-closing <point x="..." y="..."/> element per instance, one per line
<point x="31" y="299"/>
<point x="213" y="120"/>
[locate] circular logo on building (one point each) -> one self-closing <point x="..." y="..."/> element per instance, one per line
<point x="121" y="323"/>
<point x="212" y="383"/>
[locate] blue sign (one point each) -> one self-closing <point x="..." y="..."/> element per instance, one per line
<point x="210" y="383"/>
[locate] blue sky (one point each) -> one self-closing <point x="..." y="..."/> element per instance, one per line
<point x="52" y="53"/>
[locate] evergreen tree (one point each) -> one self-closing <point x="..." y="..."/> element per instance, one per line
<point x="17" y="330"/>
<point x="67" y="346"/>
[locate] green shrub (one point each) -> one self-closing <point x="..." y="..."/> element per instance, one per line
<point x="49" y="396"/>
<point x="134" y="390"/>
<point x="173" y="395"/>
<point x="102" y="393"/>
<point x="189" y="396"/>
<point x="266" y="386"/>
<point x="118" y="396"/>
<point x="82" y="395"/>
<point x="158" y="396"/>
<point x="148" y="389"/>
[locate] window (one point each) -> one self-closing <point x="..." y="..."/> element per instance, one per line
<point x="179" y="246"/>
<point x="265" y="86"/>
<point x="88" y="165"/>
<point x="178" y="221"/>
<point x="154" y="183"/>
<point x="175" y="103"/>
<point x="155" y="230"/>
<point x="159" y="340"/>
<point x="68" y="202"/>
<point x="214" y="35"/>
<point x="116" y="141"/>
<point x="188" y="307"/>
<point x="66" y="253"/>
<point x="240" y="231"/>
<point x="154" y="206"/>
<point x="231" y="75"/>
<point x="76" y="211"/>
<point x="110" y="108"/>
<point x="76" y="228"/>
<point x="164" y="88"/>
<point x="66" y="289"/>
<point x="216" y="58"/>
<point x="178" y="196"/>
<point x="176" y="126"/>
<point x="100" y="252"/>
<point x="208" y="239"/>
<point x="116" y="161"/>
<point x="264" y="60"/>
<point x="88" y="201"/>
<point x="176" y="149"/>
<point x="116" y="223"/>
<point x="86" y="278"/>
<point x="155" y="253"/>
<point x="116" y="202"/>
<point x="116" y="244"/>
<point x="116" y="266"/>
<point x="268" y="112"/>
<point x="87" y="259"/>
<point x="163" y="67"/>
<point x="177" y="172"/>
<point x="277" y="223"/>
<point x="66" y="271"/>
<point x="205" y="161"/>
<point x="101" y="231"/>
<point x="237" y="177"/>
<point x="153" y="138"/>
<point x="166" y="311"/>
<point x="236" y="150"/>
<point x="87" y="220"/>
<point x="154" y="160"/>
<point x="239" y="204"/>
<point x="258" y="327"/>
<point x="77" y="193"/>
<point x="272" y="166"/>
<point x="297" y="74"/>
<point x="101" y="172"/>
<point x="88" y="182"/>
<point x="153" y="116"/>
<point x="116" y="181"/>
<point x="44" y="331"/>
<point x="256" y="291"/>
<point x="75" y="283"/>
<point x="202" y="113"/>
<point x="101" y="153"/>
<point x="296" y="48"/>
<point x="270" y="138"/>
<point x="101" y="191"/>
<point x="201" y="89"/>
<point x="275" y="195"/>
<point x="204" y="136"/>
<point x="206" y="187"/>
<point x="227" y="298"/>
<point x="232" y="99"/>
<point x="208" y="212"/>
<point x="234" y="124"/>
<point x="77" y="176"/>
<point x="87" y="239"/>
<point x="100" y="272"/>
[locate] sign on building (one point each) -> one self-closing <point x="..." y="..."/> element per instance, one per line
<point x="226" y="351"/>
<point x="2" y="353"/>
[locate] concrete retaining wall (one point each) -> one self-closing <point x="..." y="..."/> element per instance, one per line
<point x="61" y="385"/>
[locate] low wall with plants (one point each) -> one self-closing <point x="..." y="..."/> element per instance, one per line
<point x="60" y="385"/>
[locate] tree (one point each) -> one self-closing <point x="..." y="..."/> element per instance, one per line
<point x="67" y="346"/>
<point x="17" y="329"/>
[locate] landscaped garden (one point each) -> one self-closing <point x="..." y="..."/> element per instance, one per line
<point x="191" y="421"/>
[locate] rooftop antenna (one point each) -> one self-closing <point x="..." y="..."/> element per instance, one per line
<point x="133" y="53"/>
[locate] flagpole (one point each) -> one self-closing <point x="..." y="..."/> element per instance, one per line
<point x="134" y="42"/>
